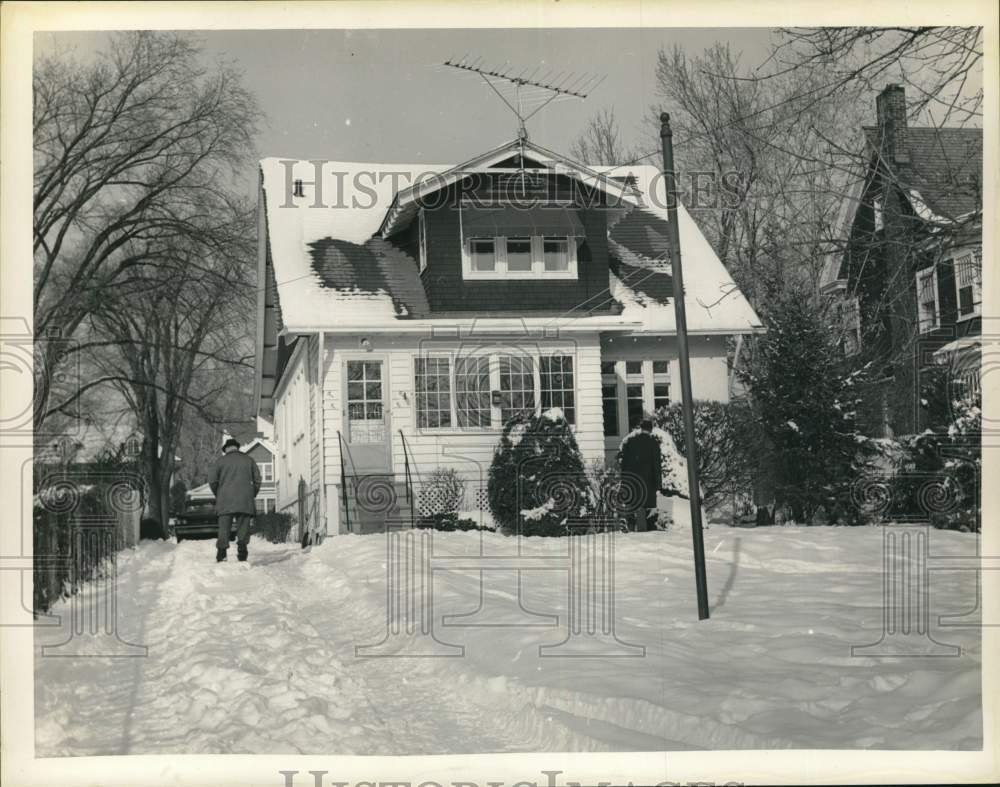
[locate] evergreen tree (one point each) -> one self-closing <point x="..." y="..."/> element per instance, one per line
<point x="805" y="403"/>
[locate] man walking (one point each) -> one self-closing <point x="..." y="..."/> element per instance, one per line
<point x="642" y="465"/>
<point x="235" y="482"/>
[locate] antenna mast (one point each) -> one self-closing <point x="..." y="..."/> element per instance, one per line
<point x="546" y="88"/>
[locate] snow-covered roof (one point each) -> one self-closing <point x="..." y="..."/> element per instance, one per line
<point x="333" y="271"/>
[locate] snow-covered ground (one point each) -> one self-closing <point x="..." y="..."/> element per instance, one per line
<point x="262" y="658"/>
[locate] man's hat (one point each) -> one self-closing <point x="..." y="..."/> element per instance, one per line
<point x="229" y="442"/>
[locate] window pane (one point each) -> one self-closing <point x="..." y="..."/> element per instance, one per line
<point x="517" y="382"/>
<point x="483" y="254"/>
<point x="355" y="370"/>
<point x="472" y="392"/>
<point x="373" y="390"/>
<point x="965" y="301"/>
<point x="558" y="388"/>
<point x="661" y="395"/>
<point x="519" y="254"/>
<point x="633" y="401"/>
<point x="607" y="367"/>
<point x="633" y="367"/>
<point x="270" y="506"/>
<point x="661" y="367"/>
<point x="556" y="254"/>
<point x="433" y="392"/>
<point x="609" y="400"/>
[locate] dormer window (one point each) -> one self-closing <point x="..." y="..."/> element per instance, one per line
<point x="520" y="257"/>
<point x="483" y="255"/>
<point x="509" y="243"/>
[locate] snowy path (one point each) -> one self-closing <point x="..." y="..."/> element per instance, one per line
<point x="262" y="658"/>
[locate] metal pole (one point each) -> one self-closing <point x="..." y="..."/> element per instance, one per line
<point x="687" y="404"/>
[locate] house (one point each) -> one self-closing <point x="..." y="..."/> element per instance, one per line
<point x="262" y="451"/>
<point x="409" y="310"/>
<point x="907" y="287"/>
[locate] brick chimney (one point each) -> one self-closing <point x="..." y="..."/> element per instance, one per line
<point x="890" y="107"/>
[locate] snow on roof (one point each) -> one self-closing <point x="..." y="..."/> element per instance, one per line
<point x="353" y="199"/>
<point x="713" y="301"/>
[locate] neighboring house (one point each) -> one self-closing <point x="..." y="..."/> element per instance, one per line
<point x="409" y="310"/>
<point x="907" y="291"/>
<point x="262" y="451"/>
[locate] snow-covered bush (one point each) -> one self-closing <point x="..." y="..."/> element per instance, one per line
<point x="937" y="473"/>
<point x="673" y="464"/>
<point x="725" y="440"/>
<point x="537" y="483"/>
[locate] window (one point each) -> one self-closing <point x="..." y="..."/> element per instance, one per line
<point x="661" y="395"/>
<point x="422" y="240"/>
<point x="270" y="505"/>
<point x="483" y="254"/>
<point x="484" y="391"/>
<point x="267" y="472"/>
<point x="517" y="384"/>
<point x="556" y="254"/>
<point x="927" y="301"/>
<point x="609" y="402"/>
<point x="661" y="367"/>
<point x="366" y="419"/>
<point x="556" y="374"/>
<point x="432" y="386"/>
<point x="968" y="285"/>
<point x="877" y="213"/>
<point x="607" y="367"/>
<point x="472" y="392"/>
<point x="521" y="257"/>
<point x="634" y="405"/>
<point x="518" y="255"/>
<point x="258" y="505"/>
<point x="847" y="317"/>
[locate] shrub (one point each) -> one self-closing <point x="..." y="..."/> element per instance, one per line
<point x="447" y="522"/>
<point x="726" y="446"/>
<point x="938" y="472"/>
<point x="442" y="493"/>
<point x="275" y="527"/>
<point x="537" y="484"/>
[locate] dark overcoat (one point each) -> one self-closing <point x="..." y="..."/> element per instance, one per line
<point x="235" y="482"/>
<point x="642" y="463"/>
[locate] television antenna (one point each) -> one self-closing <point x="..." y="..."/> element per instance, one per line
<point x="532" y="92"/>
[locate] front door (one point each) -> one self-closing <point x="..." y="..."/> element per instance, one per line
<point x="366" y="419"/>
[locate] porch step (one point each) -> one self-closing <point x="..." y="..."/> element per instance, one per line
<point x="374" y="498"/>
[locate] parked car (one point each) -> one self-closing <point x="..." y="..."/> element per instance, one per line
<point x="199" y="520"/>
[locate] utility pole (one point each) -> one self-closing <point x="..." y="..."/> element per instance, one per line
<point x="687" y="404"/>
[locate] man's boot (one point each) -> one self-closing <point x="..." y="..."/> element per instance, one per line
<point x="220" y="555"/>
<point x="242" y="553"/>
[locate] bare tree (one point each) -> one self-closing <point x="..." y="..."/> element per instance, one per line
<point x="172" y="337"/>
<point x="778" y="162"/>
<point x="601" y="142"/>
<point x="133" y="155"/>
<point x="940" y="66"/>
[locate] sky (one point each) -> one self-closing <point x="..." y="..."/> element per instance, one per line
<point x="384" y="96"/>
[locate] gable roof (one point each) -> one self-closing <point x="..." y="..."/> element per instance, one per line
<point x="943" y="177"/>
